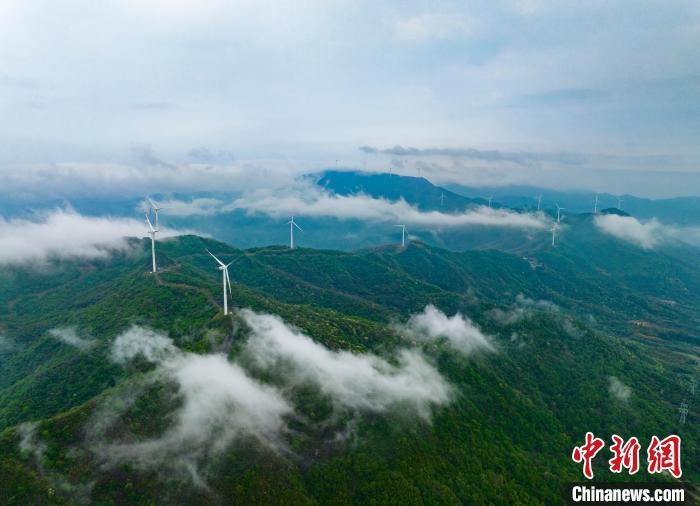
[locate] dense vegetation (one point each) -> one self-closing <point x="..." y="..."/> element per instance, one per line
<point x="505" y="438"/>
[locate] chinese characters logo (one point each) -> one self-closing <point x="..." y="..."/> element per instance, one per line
<point x="662" y="455"/>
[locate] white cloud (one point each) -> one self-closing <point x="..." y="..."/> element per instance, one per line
<point x="522" y="308"/>
<point x="69" y="336"/>
<point x="142" y="342"/>
<point x="619" y="390"/>
<point x="353" y="381"/>
<point x="461" y="333"/>
<point x="434" y="26"/>
<point x="5" y="343"/>
<point x="66" y="234"/>
<point x="309" y="201"/>
<point x="645" y="235"/>
<point x="220" y="402"/>
<point x="194" y="207"/>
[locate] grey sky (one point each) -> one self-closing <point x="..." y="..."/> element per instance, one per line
<point x="616" y="84"/>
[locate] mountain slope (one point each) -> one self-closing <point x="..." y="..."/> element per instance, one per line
<point x="505" y="436"/>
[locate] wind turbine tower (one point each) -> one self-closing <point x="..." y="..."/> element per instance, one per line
<point x="539" y="202"/>
<point x="442" y="199"/>
<point x="403" y="235"/>
<point x="152" y="232"/>
<point x="490" y="199"/>
<point x="595" y="205"/>
<point x="226" y="281"/>
<point x="554" y="233"/>
<point x="559" y="210"/>
<point x="292" y="224"/>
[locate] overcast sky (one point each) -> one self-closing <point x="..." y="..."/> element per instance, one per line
<point x="479" y="91"/>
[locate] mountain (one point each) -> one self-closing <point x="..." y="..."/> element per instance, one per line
<point x="591" y="335"/>
<point x="678" y="210"/>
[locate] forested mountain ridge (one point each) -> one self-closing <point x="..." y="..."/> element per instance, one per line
<point x="505" y="435"/>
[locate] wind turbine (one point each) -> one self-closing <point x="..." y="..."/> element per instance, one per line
<point x="539" y="202"/>
<point x="292" y="224"/>
<point x="490" y="199"/>
<point x="554" y="232"/>
<point x="442" y="199"/>
<point x="152" y="232"/>
<point x="595" y="206"/>
<point x="403" y="235"/>
<point x="226" y="281"/>
<point x="155" y="209"/>
<point x="559" y="210"/>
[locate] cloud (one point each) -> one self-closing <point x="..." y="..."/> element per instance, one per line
<point x="29" y="444"/>
<point x="148" y="174"/>
<point x="144" y="343"/>
<point x="202" y="206"/>
<point x="63" y="233"/>
<point x="521" y="309"/>
<point x="220" y="402"/>
<point x="526" y="158"/>
<point x="69" y="336"/>
<point x="645" y="235"/>
<point x="619" y="390"/>
<point x="433" y="26"/>
<point x="5" y="344"/>
<point x="461" y="333"/>
<point x="315" y="202"/>
<point x="359" y="382"/>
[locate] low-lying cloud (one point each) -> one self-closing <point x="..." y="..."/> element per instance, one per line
<point x="318" y="203"/>
<point x="647" y="235"/>
<point x="618" y="390"/>
<point x="521" y="309"/>
<point x="5" y="344"/>
<point x="459" y="331"/>
<point x="64" y="233"/>
<point x="627" y="228"/>
<point x="363" y="382"/>
<point x="69" y="336"/>
<point x="220" y="402"/>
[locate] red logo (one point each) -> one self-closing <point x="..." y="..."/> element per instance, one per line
<point x="662" y="455"/>
<point x="586" y="452"/>
<point x="665" y="455"/>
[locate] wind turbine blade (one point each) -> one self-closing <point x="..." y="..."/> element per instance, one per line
<point x="228" y="280"/>
<point x="153" y="205"/>
<point x="294" y="223"/>
<point x="217" y="260"/>
<point x="148" y="221"/>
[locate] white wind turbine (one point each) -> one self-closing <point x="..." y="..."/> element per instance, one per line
<point x="559" y="210"/>
<point x="155" y="209"/>
<point x="152" y="232"/>
<point x="595" y="206"/>
<point x="403" y="235"/>
<point x="226" y="281"/>
<point x="442" y="199"/>
<point x="539" y="202"/>
<point x="292" y="224"/>
<point x="554" y="232"/>
<point x="490" y="199"/>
